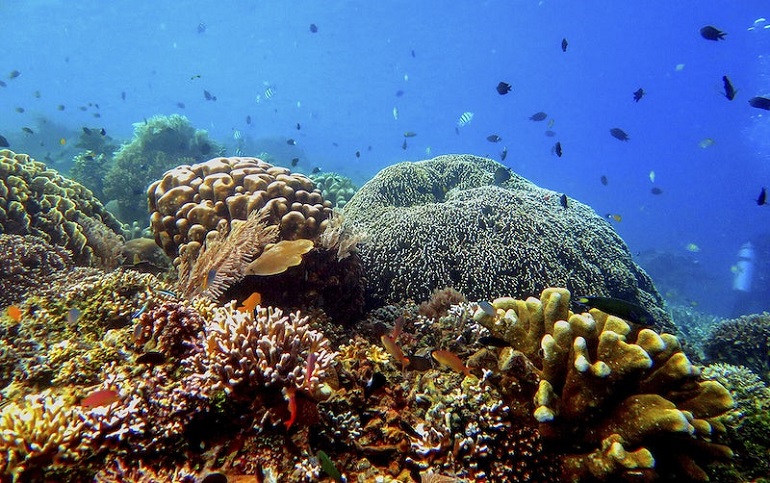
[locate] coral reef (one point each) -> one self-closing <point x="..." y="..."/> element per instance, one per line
<point x="335" y="188"/>
<point x="441" y="300"/>
<point x="90" y="169"/>
<point x="35" y="200"/>
<point x="26" y="264"/>
<point x="159" y="144"/>
<point x="631" y="402"/>
<point x="743" y="341"/>
<point x="445" y="222"/>
<point x="191" y="201"/>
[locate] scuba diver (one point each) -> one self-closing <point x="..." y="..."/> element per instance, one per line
<point x="751" y="274"/>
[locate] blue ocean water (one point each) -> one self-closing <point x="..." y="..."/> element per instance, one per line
<point x="430" y="62"/>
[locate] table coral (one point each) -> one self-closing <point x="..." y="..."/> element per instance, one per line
<point x="620" y="401"/>
<point x="445" y="222"/>
<point x="26" y="263"/>
<point x="35" y="200"/>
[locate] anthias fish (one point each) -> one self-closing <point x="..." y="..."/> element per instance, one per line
<point x="450" y="360"/>
<point x="619" y="308"/>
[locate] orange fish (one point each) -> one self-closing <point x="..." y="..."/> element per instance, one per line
<point x="103" y="397"/>
<point x="14" y="312"/>
<point x="450" y="360"/>
<point x="210" y="277"/>
<point x="393" y="349"/>
<point x="251" y="302"/>
<point x="291" y="396"/>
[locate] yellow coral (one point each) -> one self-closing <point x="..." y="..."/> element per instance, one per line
<point x="279" y="257"/>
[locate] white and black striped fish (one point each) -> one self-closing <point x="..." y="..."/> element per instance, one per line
<point x="465" y="119"/>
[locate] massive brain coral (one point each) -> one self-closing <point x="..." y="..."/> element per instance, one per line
<point x="445" y="222"/>
<point x="35" y="200"/>
<point x="191" y="201"/>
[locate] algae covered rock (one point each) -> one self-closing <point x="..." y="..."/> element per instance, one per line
<point x="446" y="222"/>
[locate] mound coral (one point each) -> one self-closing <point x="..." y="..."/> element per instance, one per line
<point x="159" y="143"/>
<point x="335" y="188"/>
<point x="743" y="341"/>
<point x="35" y="200"/>
<point x="620" y="402"/>
<point x="26" y="263"/>
<point x="445" y="222"/>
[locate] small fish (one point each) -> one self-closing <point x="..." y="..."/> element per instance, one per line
<point x="14" y="74"/>
<point x="550" y="133"/>
<point x="103" y="132"/>
<point x="248" y="119"/>
<point x="619" y="308"/>
<point x="87" y="131"/>
<point x="269" y="93"/>
<point x="706" y="143"/>
<point x="298" y="126"/>
<point x="762" y="198"/>
<point x="14" y="312"/>
<point x="729" y="89"/>
<point x="408" y="429"/>
<point x="712" y="33"/>
<point x="142" y="310"/>
<point x="196" y="76"/>
<point x="413" y="54"/>
<point x="399" y="93"/>
<point x="328" y="467"/>
<point x="123" y="95"/>
<point x="557" y="149"/>
<point x="619" y="134"/>
<point x="656" y="191"/>
<point x="652" y="176"/>
<point x="237" y="134"/>
<point x="464" y="119"/>
<point x="83" y="108"/>
<point x="20" y="110"/>
<point x="760" y="103"/>
<point x="614" y="217"/>
<point x="404" y="145"/>
<point x="494" y="138"/>
<point x="103" y="397"/>
<point x="38" y="95"/>
<point x="692" y="248"/>
<point x="493" y="341"/>
<point x="167" y="293"/>
<point x="394" y="350"/>
<point x="604" y="180"/>
<point x="395" y="113"/>
<point x="3" y="84"/>
<point x="4" y="142"/>
<point x="180" y="105"/>
<point x="28" y="130"/>
<point x="201" y="28"/>
<point x="503" y="153"/>
<point x="294" y="162"/>
<point x="210" y="277"/>
<point x="538" y="116"/>
<point x="151" y="358"/>
<point x="563" y="201"/>
<point x="502" y="174"/>
<point x="250" y="303"/>
<point x="377" y="381"/>
<point x="316" y="170"/>
<point x="564" y="44"/>
<point x="503" y="88"/>
<point x="450" y="360"/>
<point x="358" y="154"/>
<point x="313" y="28"/>
<point x="73" y="315"/>
<point x="487" y="308"/>
<point x="638" y="94"/>
<point x="410" y="134"/>
<point x="60" y="107"/>
<point x="207" y="95"/>
<point x="96" y="114"/>
<point x="291" y="142"/>
<point x="291" y="396"/>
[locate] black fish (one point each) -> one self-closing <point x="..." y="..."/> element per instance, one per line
<point x="377" y="381"/>
<point x="248" y="119"/>
<point x="503" y="88"/>
<point x="4" y="142"/>
<point x="619" y="134"/>
<point x="538" y="116"/>
<point x="358" y="154"/>
<point x="619" y="308"/>
<point x="408" y="429"/>
<point x="316" y="170"/>
<point x="762" y="198"/>
<point x="413" y="54"/>
<point x="60" y="107"/>
<point x="20" y="110"/>
<point x="563" y="201"/>
<point x="503" y="154"/>
<point x="760" y="103"/>
<point x="37" y="94"/>
<point x="103" y="132"/>
<point x="180" y="105"/>
<point x="294" y="162"/>
<point x="3" y="84"/>
<point x="557" y="149"/>
<point x="399" y="93"/>
<point x="494" y="138"/>
<point x="14" y="74"/>
<point x="298" y="127"/>
<point x="404" y="145"/>
<point x="564" y="44"/>
<point x="27" y="130"/>
<point x="729" y="89"/>
<point x="87" y="131"/>
<point x="291" y="142"/>
<point x="638" y="94"/>
<point x="313" y="28"/>
<point x="502" y="174"/>
<point x="604" y="180"/>
<point x="712" y="33"/>
<point x="207" y="95"/>
<point x="550" y="133"/>
<point x="123" y="96"/>
<point x="656" y="191"/>
<point x="152" y="358"/>
<point x="493" y="341"/>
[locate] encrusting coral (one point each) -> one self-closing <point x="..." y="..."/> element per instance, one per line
<point x="446" y="222"/>
<point x="619" y="401"/>
<point x="35" y="200"/>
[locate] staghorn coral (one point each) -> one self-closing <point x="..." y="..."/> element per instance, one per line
<point x="620" y="403"/>
<point x="35" y="200"/>
<point x="26" y="263"/>
<point x="443" y="222"/>
<point x="191" y="201"/>
<point x="336" y="188"/>
<point x="743" y="341"/>
<point x="159" y="143"/>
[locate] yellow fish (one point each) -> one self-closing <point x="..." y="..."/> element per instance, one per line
<point x="450" y="360"/>
<point x="393" y="349"/>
